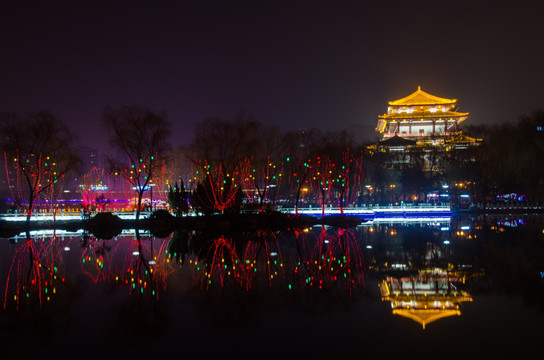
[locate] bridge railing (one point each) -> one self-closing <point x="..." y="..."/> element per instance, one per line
<point x="361" y="209"/>
<point x="71" y="215"/>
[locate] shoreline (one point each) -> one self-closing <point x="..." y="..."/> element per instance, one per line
<point x="107" y="225"/>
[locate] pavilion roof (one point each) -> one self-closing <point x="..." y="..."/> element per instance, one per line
<point x="426" y="316"/>
<point x="397" y="141"/>
<point x="420" y="97"/>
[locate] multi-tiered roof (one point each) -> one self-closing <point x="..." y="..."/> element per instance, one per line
<point x="420" y="114"/>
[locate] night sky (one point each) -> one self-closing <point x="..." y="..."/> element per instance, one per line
<point x="326" y="64"/>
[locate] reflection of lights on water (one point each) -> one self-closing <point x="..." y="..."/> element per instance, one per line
<point x="511" y="223"/>
<point x="152" y="262"/>
<point x="408" y="220"/>
<point x="66" y="248"/>
<point x="273" y="253"/>
<point x="136" y="253"/>
<point x="446" y="242"/>
<point x="465" y="227"/>
<point x="326" y="241"/>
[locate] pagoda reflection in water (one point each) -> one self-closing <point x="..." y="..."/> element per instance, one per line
<point x="427" y="296"/>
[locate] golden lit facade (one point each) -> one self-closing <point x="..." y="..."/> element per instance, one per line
<point x="421" y="116"/>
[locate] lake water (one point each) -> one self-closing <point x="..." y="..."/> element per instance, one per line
<point x="315" y="293"/>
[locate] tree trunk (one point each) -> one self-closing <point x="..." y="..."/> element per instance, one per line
<point x="322" y="202"/>
<point x="342" y="194"/>
<point x="30" y="207"/>
<point x="139" y="206"/>
<point x="299" y="187"/>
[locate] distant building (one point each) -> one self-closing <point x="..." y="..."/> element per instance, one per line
<point x="89" y="162"/>
<point x="89" y="157"/>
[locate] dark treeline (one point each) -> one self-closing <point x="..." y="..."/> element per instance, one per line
<point x="240" y="164"/>
<point x="510" y="160"/>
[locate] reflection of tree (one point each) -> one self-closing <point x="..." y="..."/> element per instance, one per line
<point x="331" y="260"/>
<point x="272" y="272"/>
<point x="241" y="274"/>
<point x="38" y="293"/>
<point x="244" y="272"/>
<point x="130" y="263"/>
<point x="221" y="262"/>
<point x="141" y="271"/>
<point x="178" y="246"/>
<point x="92" y="257"/>
<point x="416" y="246"/>
<point x="35" y="273"/>
<point x="419" y="247"/>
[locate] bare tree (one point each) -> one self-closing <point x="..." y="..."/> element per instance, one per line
<point x="223" y="143"/>
<point x="39" y="148"/>
<point x="262" y="168"/>
<point x="299" y="147"/>
<point x="220" y="150"/>
<point x="142" y="137"/>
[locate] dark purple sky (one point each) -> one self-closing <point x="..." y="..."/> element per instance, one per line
<point x="325" y="64"/>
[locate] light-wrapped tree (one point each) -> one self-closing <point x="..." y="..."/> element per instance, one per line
<point x="142" y="138"/>
<point x="38" y="147"/>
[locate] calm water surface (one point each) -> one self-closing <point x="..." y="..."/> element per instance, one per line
<point x="314" y="293"/>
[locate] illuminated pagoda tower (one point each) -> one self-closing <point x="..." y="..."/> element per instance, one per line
<point x="422" y="117"/>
